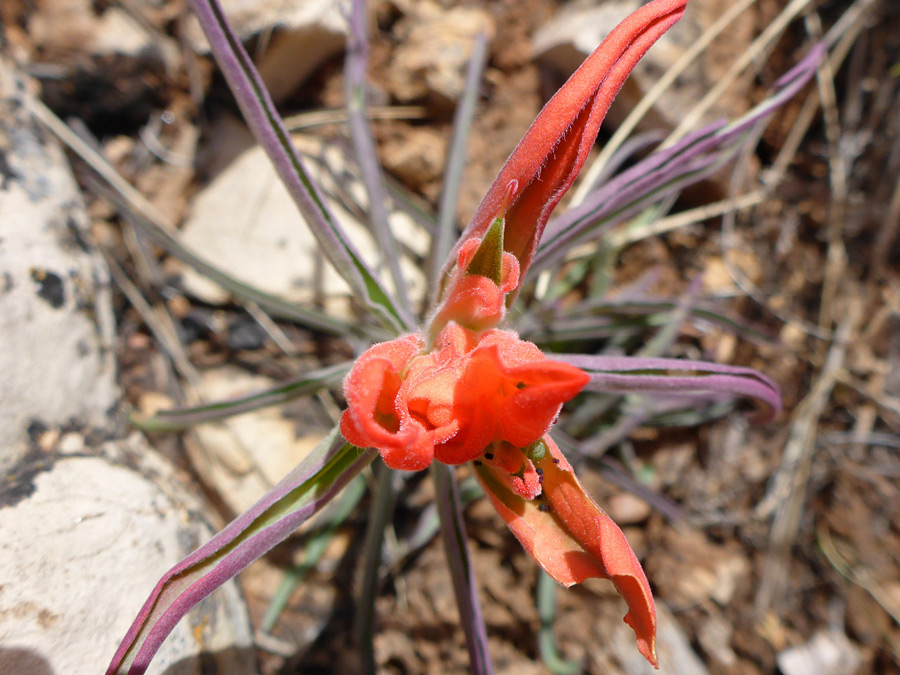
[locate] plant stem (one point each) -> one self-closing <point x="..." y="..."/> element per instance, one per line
<point x="379" y="516"/>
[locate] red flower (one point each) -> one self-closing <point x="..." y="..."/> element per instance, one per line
<point x="465" y="391"/>
<point x="491" y="397"/>
<point x="451" y="403"/>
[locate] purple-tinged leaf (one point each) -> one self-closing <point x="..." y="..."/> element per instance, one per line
<point x="266" y="124"/>
<point x="631" y="150"/>
<point x="427" y="527"/>
<point x="660" y="343"/>
<point x="456" y="157"/>
<point x="660" y="175"/>
<point x="623" y="307"/>
<point x="133" y="206"/>
<point x="453" y="532"/>
<point x="286" y="390"/>
<point x="666" y="172"/>
<point x="366" y="154"/>
<point x="334" y="516"/>
<point x="303" y="492"/>
<point x="622" y="374"/>
<point x="380" y="513"/>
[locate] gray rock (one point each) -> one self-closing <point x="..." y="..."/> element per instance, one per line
<point x="56" y="324"/>
<point x="84" y="542"/>
<point x="297" y="37"/>
<point x="828" y="652"/>
<point x="88" y="527"/>
<point x="246" y="222"/>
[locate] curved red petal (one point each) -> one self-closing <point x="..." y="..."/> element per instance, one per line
<point x="541" y="389"/>
<point x="602" y="538"/>
<point x="552" y="152"/>
<point x="572" y="539"/>
<point x="374" y="417"/>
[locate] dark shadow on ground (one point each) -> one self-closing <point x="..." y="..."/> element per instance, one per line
<point x="233" y="660"/>
<point x="14" y="661"/>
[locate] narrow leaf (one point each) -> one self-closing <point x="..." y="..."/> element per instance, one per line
<point x="143" y="220"/>
<point x="267" y="126"/>
<point x="315" y="548"/>
<point x="546" y="606"/>
<point x="366" y="155"/>
<point x="183" y="418"/>
<point x="380" y="513"/>
<point x="303" y="492"/>
<point x="456" y="157"/>
<point x="666" y="172"/>
<point x="428" y="525"/>
<point x="453" y="532"/>
<point x="620" y="374"/>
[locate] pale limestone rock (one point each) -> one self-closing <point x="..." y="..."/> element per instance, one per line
<point x="56" y="324"/>
<point x="246" y="456"/>
<point x="87" y="530"/>
<point x="84" y="542"/>
<point x="298" y="37"/>
<point x="673" y="647"/>
<point x="828" y="652"/>
<point x="436" y="45"/>
<point x="577" y="29"/>
<point x="627" y="509"/>
<point x="76" y="26"/>
<point x="246" y="222"/>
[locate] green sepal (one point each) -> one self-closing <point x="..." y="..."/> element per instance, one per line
<point x="488" y="259"/>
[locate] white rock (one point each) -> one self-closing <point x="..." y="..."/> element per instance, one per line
<point x="246" y="456"/>
<point x="56" y="323"/>
<point x="828" y="652"/>
<point x="436" y="45"/>
<point x="246" y="222"/>
<point x="676" y="655"/>
<point x="84" y="538"/>
<point x="84" y="542"/>
<point x="74" y="26"/>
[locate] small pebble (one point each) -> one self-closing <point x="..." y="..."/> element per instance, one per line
<point x="626" y="509"/>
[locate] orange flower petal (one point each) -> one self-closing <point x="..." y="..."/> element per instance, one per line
<point x="373" y="418"/>
<point x="541" y="389"/>
<point x="572" y="538"/>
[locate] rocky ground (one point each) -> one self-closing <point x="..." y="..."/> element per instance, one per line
<point x="783" y="555"/>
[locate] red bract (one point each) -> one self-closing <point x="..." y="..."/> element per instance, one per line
<point x="550" y="155"/>
<point x="564" y="530"/>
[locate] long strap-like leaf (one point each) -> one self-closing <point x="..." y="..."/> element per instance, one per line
<point x="266" y="124"/>
<point x="453" y="532"/>
<point x="665" y="172"/>
<point x="621" y="374"/>
<point x="271" y="520"/>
